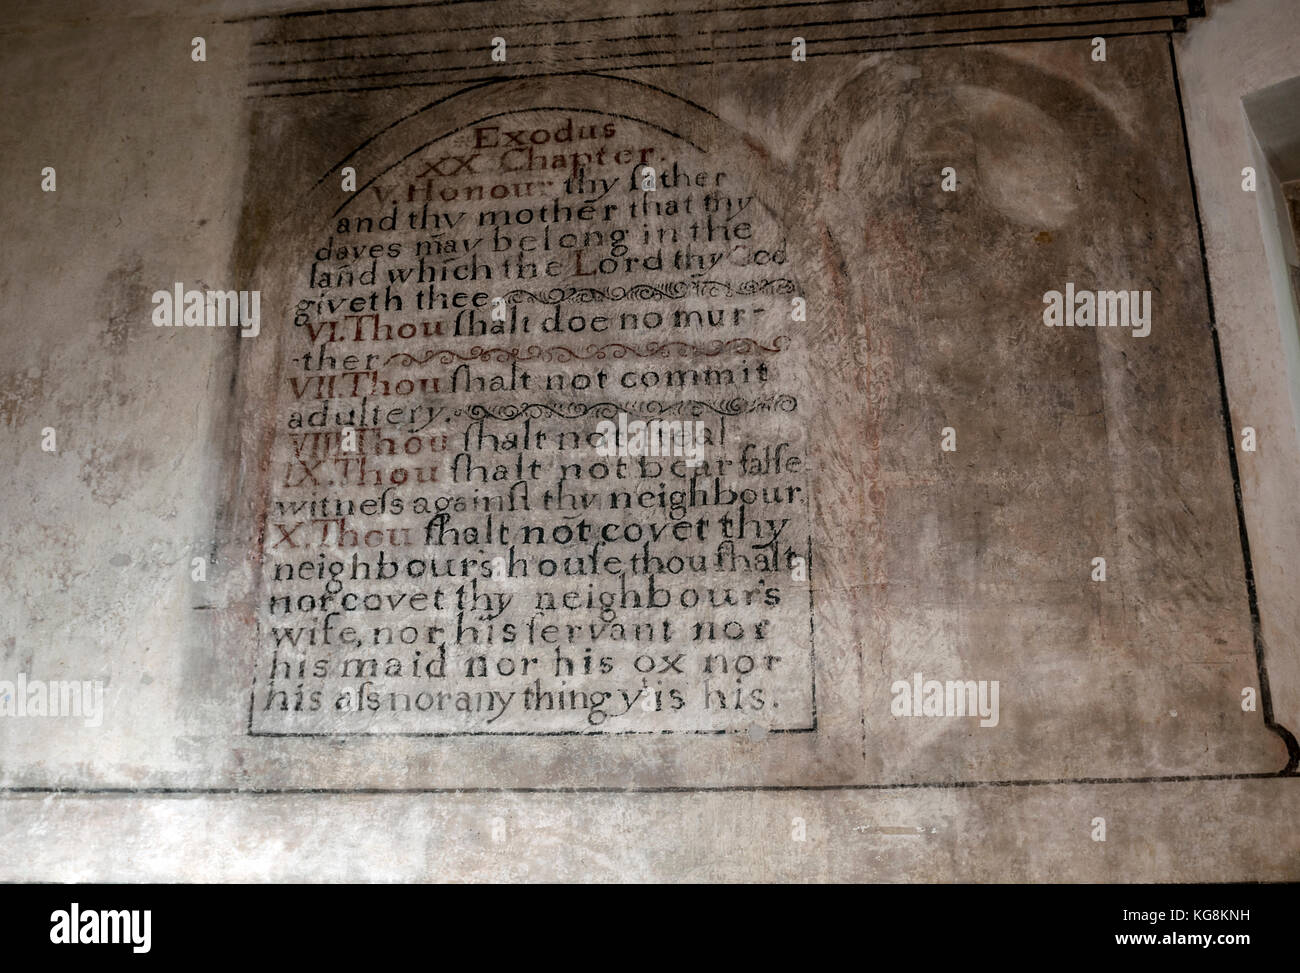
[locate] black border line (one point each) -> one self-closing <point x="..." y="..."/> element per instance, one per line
<point x="1266" y="707"/>
<point x="708" y="789"/>
<point x="1288" y="772"/>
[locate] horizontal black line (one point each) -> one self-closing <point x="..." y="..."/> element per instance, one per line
<point x="353" y="735"/>
<point x="970" y="13"/>
<point x="372" y="8"/>
<point x="715" y="789"/>
<point x="684" y="13"/>
<point x="679" y="64"/>
<point x="459" y="50"/>
<point x="360" y="57"/>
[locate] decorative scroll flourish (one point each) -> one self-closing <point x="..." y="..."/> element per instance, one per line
<point x="671" y="290"/>
<point x="562" y="353"/>
<point x="608" y="410"/>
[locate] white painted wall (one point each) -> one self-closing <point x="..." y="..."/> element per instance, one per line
<point x="1241" y="47"/>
